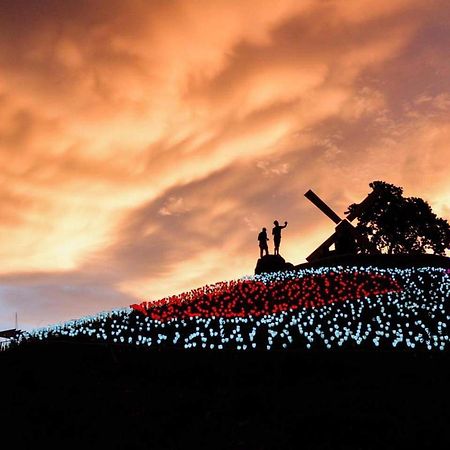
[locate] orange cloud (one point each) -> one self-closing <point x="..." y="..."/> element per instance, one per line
<point x="143" y="143"/>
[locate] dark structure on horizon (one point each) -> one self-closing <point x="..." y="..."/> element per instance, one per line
<point x="11" y="333"/>
<point x="345" y="237"/>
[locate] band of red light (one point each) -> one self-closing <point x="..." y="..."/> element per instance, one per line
<point x="256" y="298"/>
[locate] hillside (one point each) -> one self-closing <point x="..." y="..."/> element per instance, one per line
<point x="325" y="357"/>
<point x="323" y="307"/>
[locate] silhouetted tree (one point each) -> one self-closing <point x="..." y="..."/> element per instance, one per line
<point x="394" y="224"/>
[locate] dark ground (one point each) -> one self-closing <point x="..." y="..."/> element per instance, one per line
<point x="93" y="396"/>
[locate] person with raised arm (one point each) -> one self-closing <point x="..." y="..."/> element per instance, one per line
<point x="276" y="231"/>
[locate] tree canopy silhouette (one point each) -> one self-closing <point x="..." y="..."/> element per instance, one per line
<point x="394" y="224"/>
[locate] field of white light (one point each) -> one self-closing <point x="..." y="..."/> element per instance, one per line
<point x="411" y="312"/>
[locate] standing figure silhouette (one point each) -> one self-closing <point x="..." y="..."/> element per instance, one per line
<point x="262" y="238"/>
<point x="276" y="231"/>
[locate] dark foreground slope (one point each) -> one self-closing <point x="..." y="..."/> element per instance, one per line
<point x="102" y="396"/>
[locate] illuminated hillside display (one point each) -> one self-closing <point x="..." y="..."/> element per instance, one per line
<point x="330" y="307"/>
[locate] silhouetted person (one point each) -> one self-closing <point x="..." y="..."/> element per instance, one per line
<point x="276" y="231"/>
<point x="262" y="238"/>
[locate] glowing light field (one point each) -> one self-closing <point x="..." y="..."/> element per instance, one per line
<point x="304" y="309"/>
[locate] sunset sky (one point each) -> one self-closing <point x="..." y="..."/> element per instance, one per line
<point x="143" y="144"/>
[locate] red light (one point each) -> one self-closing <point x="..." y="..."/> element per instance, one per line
<point x="241" y="298"/>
